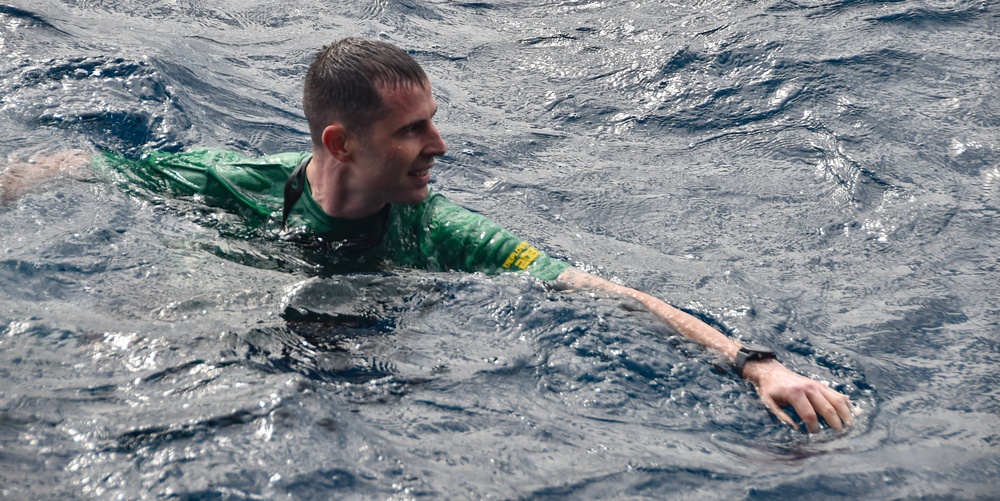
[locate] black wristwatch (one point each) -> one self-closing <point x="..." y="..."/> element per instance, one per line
<point x="750" y="353"/>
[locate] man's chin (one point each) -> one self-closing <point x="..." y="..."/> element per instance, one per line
<point x="416" y="196"/>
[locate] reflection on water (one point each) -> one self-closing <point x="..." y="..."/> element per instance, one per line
<point x="821" y="178"/>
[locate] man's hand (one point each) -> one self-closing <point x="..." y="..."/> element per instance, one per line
<point x="776" y="385"/>
<point x="779" y="387"/>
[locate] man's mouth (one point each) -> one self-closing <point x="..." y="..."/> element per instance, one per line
<point x="421" y="172"/>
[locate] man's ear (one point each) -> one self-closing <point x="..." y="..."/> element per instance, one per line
<point x="335" y="140"/>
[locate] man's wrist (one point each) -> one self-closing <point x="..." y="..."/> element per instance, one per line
<point x="751" y="353"/>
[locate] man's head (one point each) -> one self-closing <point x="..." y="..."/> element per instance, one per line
<point x="370" y="111"/>
<point x="345" y="81"/>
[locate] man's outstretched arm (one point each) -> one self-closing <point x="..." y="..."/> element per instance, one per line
<point x="18" y="177"/>
<point x="777" y="385"/>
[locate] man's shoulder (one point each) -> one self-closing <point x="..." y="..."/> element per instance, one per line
<point x="214" y="157"/>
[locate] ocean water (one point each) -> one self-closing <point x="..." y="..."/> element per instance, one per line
<point x="819" y="176"/>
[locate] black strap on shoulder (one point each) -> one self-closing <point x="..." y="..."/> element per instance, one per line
<point x="294" y="187"/>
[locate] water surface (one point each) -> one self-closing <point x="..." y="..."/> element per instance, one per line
<point x="820" y="177"/>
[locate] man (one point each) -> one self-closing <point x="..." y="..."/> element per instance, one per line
<point x="363" y="194"/>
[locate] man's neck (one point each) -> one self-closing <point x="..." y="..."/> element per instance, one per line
<point x="327" y="185"/>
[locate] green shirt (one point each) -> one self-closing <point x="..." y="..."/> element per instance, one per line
<point x="435" y="234"/>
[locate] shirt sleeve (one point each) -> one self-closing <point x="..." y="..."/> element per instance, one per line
<point x="250" y="186"/>
<point x="454" y="238"/>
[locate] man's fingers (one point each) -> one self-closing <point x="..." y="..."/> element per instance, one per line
<point x="842" y="404"/>
<point x="782" y="416"/>
<point x="800" y="402"/>
<point x="824" y="408"/>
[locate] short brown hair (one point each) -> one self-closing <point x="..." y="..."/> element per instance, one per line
<point x="343" y="82"/>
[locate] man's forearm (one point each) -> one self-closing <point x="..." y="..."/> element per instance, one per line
<point x="683" y="323"/>
<point x="18" y="177"/>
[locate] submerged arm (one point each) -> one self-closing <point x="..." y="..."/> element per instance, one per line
<point x="19" y="177"/>
<point x="777" y="385"/>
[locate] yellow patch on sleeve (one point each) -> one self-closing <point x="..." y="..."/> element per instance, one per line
<point x="522" y="257"/>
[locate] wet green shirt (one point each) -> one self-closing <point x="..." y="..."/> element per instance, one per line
<point x="435" y="234"/>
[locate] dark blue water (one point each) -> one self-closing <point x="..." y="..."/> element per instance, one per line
<point x="821" y="177"/>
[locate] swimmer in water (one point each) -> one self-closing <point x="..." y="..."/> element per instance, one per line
<point x="374" y="143"/>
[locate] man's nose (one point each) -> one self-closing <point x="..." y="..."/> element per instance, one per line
<point x="435" y="145"/>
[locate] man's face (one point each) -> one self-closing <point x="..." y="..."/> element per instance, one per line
<point x="393" y="160"/>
